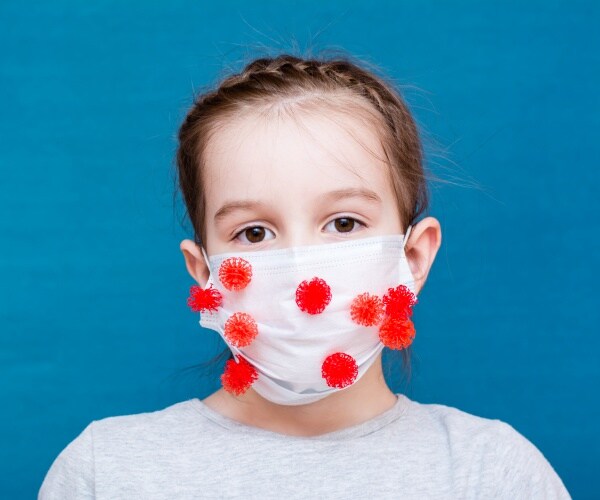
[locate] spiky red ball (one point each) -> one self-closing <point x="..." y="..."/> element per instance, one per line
<point x="204" y="299"/>
<point x="397" y="333"/>
<point x="313" y="296"/>
<point x="235" y="273"/>
<point x="240" y="329"/>
<point x="238" y="377"/>
<point x="399" y="301"/>
<point x="366" y="309"/>
<point x="339" y="370"/>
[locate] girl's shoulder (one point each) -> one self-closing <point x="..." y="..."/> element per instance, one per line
<point x="163" y="419"/>
<point x="505" y="461"/>
<point x="465" y="431"/>
<point x="455" y="421"/>
<point x="72" y="474"/>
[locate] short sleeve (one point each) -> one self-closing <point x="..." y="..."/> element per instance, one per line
<point x="522" y="471"/>
<point x="71" y="475"/>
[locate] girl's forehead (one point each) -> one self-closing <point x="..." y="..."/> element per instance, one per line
<point x="305" y="153"/>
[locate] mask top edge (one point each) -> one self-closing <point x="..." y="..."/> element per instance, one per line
<point x="386" y="239"/>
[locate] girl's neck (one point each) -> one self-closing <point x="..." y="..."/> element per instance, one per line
<point x="367" y="398"/>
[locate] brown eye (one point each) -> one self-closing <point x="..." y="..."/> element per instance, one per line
<point x="344" y="224"/>
<point x="255" y="234"/>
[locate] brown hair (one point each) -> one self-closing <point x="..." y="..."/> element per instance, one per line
<point x="337" y="83"/>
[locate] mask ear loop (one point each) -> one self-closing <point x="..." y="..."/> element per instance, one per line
<point x="204" y="254"/>
<point x="406" y="235"/>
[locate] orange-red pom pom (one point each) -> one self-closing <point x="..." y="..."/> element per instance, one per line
<point x="235" y="273"/>
<point x="339" y="370"/>
<point x="238" y="377"/>
<point x="313" y="296"/>
<point x="240" y="329"/>
<point x="399" y="301"/>
<point x="397" y="333"/>
<point x="366" y="309"/>
<point x="204" y="299"/>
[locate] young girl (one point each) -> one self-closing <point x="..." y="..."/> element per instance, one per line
<point x="303" y="180"/>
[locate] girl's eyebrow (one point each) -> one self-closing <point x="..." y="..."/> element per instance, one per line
<point x="339" y="194"/>
<point x="233" y="206"/>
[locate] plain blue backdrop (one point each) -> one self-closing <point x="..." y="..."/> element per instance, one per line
<point x="93" y="312"/>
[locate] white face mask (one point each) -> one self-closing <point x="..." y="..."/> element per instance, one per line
<point x="302" y="347"/>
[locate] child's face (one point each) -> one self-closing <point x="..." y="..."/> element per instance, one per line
<point x="279" y="184"/>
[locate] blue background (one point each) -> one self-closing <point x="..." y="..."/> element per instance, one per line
<point x="93" y="312"/>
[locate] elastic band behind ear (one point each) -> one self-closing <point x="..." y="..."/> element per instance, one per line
<point x="205" y="257"/>
<point x="406" y="235"/>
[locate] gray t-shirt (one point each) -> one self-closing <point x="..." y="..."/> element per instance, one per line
<point x="412" y="450"/>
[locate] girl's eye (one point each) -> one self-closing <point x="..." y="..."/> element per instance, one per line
<point x="345" y="224"/>
<point x="253" y="234"/>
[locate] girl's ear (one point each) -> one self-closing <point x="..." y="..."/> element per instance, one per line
<point x="423" y="243"/>
<point x="194" y="261"/>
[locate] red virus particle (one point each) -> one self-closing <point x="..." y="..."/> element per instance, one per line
<point x="235" y="273"/>
<point x="240" y="329"/>
<point x="366" y="309"/>
<point x="397" y="333"/>
<point x="204" y="299"/>
<point x="339" y="370"/>
<point x="399" y="301"/>
<point x="238" y="377"/>
<point x="313" y="296"/>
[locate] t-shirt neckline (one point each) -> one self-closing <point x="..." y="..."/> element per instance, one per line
<point x="350" y="432"/>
